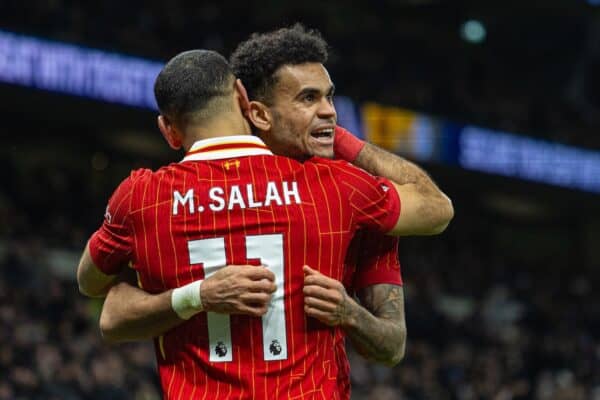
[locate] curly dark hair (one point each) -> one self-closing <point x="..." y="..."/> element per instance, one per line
<point x="192" y="85"/>
<point x="257" y="60"/>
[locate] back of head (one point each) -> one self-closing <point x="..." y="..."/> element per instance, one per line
<point x="194" y="86"/>
<point x="256" y="60"/>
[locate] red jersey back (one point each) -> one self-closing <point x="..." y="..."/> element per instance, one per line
<point x="232" y="202"/>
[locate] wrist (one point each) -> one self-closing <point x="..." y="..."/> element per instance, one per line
<point x="186" y="301"/>
<point x="351" y="314"/>
<point x="346" y="146"/>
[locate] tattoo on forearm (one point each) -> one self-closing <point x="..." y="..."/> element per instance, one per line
<point x="384" y="301"/>
<point x="383" y="163"/>
<point x="380" y="333"/>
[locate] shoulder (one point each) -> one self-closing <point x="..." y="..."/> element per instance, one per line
<point x="319" y="163"/>
<point x="140" y="174"/>
<point x="339" y="168"/>
<point x="135" y="177"/>
<point x="146" y="175"/>
<point x="335" y="164"/>
<point x="327" y="162"/>
<point x="277" y="160"/>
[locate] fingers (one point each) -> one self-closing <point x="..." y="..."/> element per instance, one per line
<point x="320" y="280"/>
<point x="314" y="277"/>
<point x="244" y="275"/>
<point x="260" y="298"/>
<point x="324" y="317"/>
<point x="254" y="310"/>
<point x="256" y="278"/>
<point x="324" y="297"/>
<point x="258" y="272"/>
<point x="314" y="303"/>
<point x="238" y="289"/>
<point x="323" y="293"/>
<point x="309" y="271"/>
<point x="264" y="285"/>
<point x="252" y="304"/>
<point x="252" y="272"/>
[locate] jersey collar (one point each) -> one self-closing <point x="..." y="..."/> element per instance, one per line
<point x="226" y="147"/>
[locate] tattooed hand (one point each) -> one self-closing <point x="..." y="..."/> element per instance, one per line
<point x="326" y="299"/>
<point x="376" y="327"/>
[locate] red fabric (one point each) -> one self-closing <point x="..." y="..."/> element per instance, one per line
<point x="372" y="259"/>
<point x="336" y="200"/>
<point x="346" y="146"/>
<point x="111" y="246"/>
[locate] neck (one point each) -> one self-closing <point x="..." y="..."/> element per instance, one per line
<point x="280" y="150"/>
<point x="219" y="126"/>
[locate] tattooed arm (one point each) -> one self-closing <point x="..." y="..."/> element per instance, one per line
<point x="378" y="331"/>
<point x="379" y="335"/>
<point x="425" y="209"/>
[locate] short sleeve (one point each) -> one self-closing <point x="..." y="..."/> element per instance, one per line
<point x="377" y="260"/>
<point x="111" y="245"/>
<point x="375" y="201"/>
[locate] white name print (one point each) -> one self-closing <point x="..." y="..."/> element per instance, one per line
<point x="245" y="196"/>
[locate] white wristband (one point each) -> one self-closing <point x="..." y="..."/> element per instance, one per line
<point x="186" y="300"/>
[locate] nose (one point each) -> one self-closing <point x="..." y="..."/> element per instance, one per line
<point x="326" y="108"/>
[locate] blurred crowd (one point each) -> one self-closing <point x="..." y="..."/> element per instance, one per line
<point x="480" y="326"/>
<point x="535" y="74"/>
<point x="51" y="346"/>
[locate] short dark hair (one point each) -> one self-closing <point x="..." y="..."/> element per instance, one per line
<point x="256" y="60"/>
<point x="191" y="84"/>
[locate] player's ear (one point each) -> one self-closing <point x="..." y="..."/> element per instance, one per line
<point x="242" y="96"/>
<point x="169" y="132"/>
<point x="260" y="116"/>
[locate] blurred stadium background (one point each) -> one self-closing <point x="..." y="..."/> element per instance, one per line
<point x="498" y="100"/>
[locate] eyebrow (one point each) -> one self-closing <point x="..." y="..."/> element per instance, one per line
<point x="313" y="90"/>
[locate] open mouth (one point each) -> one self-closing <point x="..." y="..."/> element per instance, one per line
<point x="324" y="135"/>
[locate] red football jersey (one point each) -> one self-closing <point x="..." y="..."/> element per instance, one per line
<point x="230" y="201"/>
<point x="372" y="258"/>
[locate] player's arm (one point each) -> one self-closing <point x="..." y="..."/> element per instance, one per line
<point x="379" y="336"/>
<point x="426" y="210"/>
<point x="91" y="280"/>
<point x="377" y="327"/>
<point x="108" y="250"/>
<point x="130" y="313"/>
<point x="377" y="273"/>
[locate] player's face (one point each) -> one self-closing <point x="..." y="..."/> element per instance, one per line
<point x="303" y="115"/>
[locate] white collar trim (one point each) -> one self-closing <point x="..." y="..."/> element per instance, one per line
<point x="255" y="146"/>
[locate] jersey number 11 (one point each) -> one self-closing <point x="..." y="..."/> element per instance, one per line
<point x="269" y="249"/>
